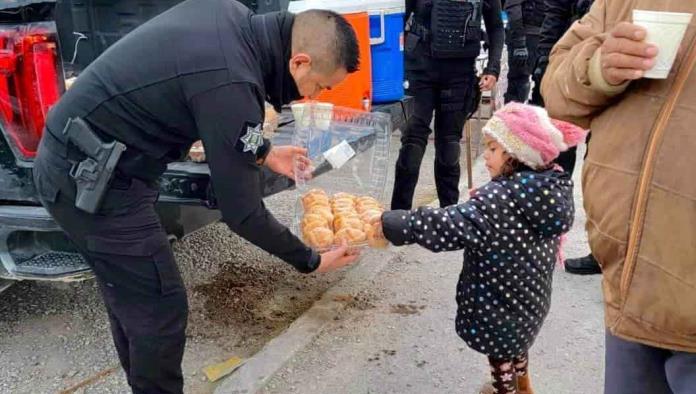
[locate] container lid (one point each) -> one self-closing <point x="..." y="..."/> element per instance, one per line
<point x="340" y="6"/>
<point x="386" y="5"/>
<point x="349" y="149"/>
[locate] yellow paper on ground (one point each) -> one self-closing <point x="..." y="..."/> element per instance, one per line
<point x="216" y="371"/>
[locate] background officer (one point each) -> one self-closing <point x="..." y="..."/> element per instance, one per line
<point x="200" y="70"/>
<point x="442" y="41"/>
<point x="559" y="15"/>
<point x="522" y="37"/>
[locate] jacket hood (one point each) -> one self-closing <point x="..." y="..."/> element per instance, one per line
<point x="545" y="200"/>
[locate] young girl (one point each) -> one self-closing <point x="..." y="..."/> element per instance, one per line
<point x="510" y="231"/>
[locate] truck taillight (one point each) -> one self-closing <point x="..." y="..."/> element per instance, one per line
<point x="29" y="83"/>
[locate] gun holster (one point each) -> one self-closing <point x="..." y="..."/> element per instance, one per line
<point x="93" y="174"/>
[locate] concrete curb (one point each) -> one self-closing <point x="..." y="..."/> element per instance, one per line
<point x="259" y="369"/>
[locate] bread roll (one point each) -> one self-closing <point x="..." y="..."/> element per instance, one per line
<point x="319" y="238"/>
<point x="345" y="221"/>
<point x="314" y="196"/>
<point x="374" y="235"/>
<point x="339" y="196"/>
<point x="343" y="203"/>
<point x="371" y="216"/>
<point x="310" y="201"/>
<point x="311" y="204"/>
<point x="351" y="235"/>
<point x="325" y="212"/>
<point x="317" y="191"/>
<point x="312" y="221"/>
<point x="367" y="200"/>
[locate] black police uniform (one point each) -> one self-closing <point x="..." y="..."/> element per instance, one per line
<point x="441" y="46"/>
<point x="525" y="18"/>
<point x="559" y="15"/>
<point x="201" y="70"/>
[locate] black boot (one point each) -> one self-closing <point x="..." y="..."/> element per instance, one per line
<point x="583" y="266"/>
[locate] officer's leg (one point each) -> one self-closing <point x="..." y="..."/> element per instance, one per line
<point x="567" y="160"/>
<point x="518" y="86"/>
<point x="148" y="301"/>
<point x="120" y="340"/>
<point x="137" y="275"/>
<point x="515" y="78"/>
<point x="537" y="99"/>
<point x="518" y="77"/>
<point x="48" y="178"/>
<point x="536" y="90"/>
<point x="413" y="142"/>
<point x="449" y="122"/>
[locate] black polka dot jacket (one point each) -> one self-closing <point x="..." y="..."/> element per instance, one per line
<point x="510" y="231"/>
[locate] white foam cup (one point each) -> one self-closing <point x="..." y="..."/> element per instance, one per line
<point x="665" y="31"/>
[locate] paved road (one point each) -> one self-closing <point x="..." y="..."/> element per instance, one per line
<point x="398" y="336"/>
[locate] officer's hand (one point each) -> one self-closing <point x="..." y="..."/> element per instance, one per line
<point x="520" y="56"/>
<point x="281" y="159"/>
<point x="625" y="56"/>
<point x="337" y="258"/>
<point x="487" y="82"/>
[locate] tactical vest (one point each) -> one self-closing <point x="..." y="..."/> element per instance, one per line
<point x="533" y="12"/>
<point x="455" y="27"/>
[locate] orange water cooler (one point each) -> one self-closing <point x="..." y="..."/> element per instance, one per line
<point x="356" y="90"/>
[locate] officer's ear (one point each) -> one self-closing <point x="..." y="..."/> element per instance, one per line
<point x="300" y="61"/>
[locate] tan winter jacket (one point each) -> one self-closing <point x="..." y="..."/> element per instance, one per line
<point x="639" y="179"/>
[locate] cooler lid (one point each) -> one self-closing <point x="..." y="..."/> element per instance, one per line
<point x="388" y="6"/>
<point x="340" y="6"/>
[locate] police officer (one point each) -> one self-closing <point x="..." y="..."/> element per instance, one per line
<point x="522" y="37"/>
<point x="443" y="39"/>
<point x="201" y="70"/>
<point x="560" y="14"/>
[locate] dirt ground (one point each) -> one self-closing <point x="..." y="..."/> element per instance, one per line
<point x="55" y="336"/>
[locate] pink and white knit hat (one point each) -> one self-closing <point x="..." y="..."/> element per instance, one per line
<point x="529" y="135"/>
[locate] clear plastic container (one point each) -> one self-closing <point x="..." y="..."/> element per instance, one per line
<point x="349" y="151"/>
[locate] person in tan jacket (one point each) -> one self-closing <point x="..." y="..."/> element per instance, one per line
<point x="639" y="188"/>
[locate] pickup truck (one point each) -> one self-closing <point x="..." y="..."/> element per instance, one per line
<point x="44" y="44"/>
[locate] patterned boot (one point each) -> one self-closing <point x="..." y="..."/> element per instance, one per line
<point x="524" y="384"/>
<point x="504" y="378"/>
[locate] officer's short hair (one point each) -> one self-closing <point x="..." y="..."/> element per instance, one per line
<point x="328" y="38"/>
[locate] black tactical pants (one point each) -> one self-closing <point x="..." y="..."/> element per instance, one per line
<point x="568" y="158"/>
<point x="448" y="88"/>
<point x="128" y="250"/>
<point x="518" y="77"/>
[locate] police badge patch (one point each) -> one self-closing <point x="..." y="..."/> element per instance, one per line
<point x="253" y="139"/>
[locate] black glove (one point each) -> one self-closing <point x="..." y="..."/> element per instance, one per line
<point x="540" y="67"/>
<point x="520" y="56"/>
